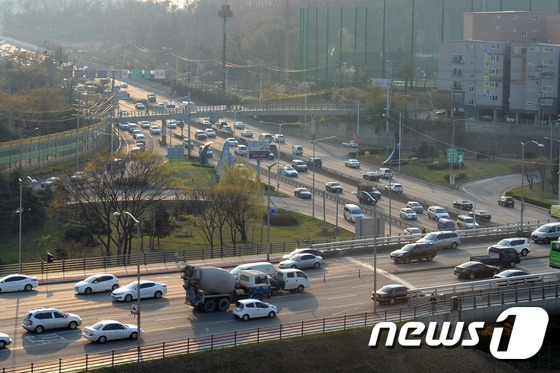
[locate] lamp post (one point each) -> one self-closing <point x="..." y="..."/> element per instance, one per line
<point x="357" y="125"/>
<point x="523" y="177"/>
<point x="558" y="141"/>
<point x="313" y="182"/>
<point x="269" y="166"/>
<point x="20" y="211"/>
<point x="260" y="85"/>
<point x="106" y="134"/>
<point x="400" y="130"/>
<point x="137" y="222"/>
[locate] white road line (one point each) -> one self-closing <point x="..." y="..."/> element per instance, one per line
<point x="172" y="318"/>
<point x="362" y="286"/>
<point x="343" y="296"/>
<point x="382" y="272"/>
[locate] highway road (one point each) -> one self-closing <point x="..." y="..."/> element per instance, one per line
<point x="342" y="286"/>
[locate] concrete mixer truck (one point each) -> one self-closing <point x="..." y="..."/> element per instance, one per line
<point x="213" y="289"/>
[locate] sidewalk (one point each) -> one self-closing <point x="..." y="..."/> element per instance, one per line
<point x="153" y="269"/>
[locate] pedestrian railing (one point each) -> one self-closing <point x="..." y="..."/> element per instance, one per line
<point x="503" y="298"/>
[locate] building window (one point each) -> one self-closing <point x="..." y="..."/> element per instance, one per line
<point x="457" y="85"/>
<point x="494" y="58"/>
<point x="472" y="46"/>
<point x="535" y="18"/>
<point x="471" y="76"/>
<point x="457" y="58"/>
<point x="497" y="16"/>
<point x="457" y="72"/>
<point x="471" y="102"/>
<point x="514" y="16"/>
<point x="471" y="63"/>
<point x="493" y="71"/>
<point x="471" y="88"/>
<point x="547" y="88"/>
<point x="524" y="34"/>
<point x="530" y="103"/>
<point x="546" y="102"/>
<point x="493" y="46"/>
<point x="535" y="41"/>
<point x="512" y="30"/>
<point x="548" y="49"/>
<point x="536" y="30"/>
<point x="497" y="27"/>
<point x="547" y="61"/>
<point x="513" y="40"/>
<point x="493" y="98"/>
<point x="493" y="84"/>
<point x="534" y="49"/>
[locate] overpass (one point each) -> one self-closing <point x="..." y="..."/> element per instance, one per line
<point x="154" y="114"/>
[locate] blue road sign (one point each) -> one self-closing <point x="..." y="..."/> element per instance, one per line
<point x="274" y="211"/>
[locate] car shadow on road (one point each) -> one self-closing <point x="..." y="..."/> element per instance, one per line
<point x="19" y="295"/>
<point x="147" y="305"/>
<point x="49" y="341"/>
<point x="96" y="297"/>
<point x="5" y="354"/>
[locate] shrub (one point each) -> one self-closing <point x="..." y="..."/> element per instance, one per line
<point x="79" y="235"/>
<point x="283" y="219"/>
<point x="438" y="165"/>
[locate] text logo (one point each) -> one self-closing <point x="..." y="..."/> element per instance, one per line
<point x="526" y="338"/>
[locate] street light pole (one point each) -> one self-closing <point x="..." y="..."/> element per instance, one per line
<point x="523" y="178"/>
<point x="357" y="124"/>
<point x="137" y="222"/>
<point x="260" y="85"/>
<point x="313" y="179"/>
<point x="558" y="141"/>
<point x="400" y="130"/>
<point x="20" y="211"/>
<point x="269" y="166"/>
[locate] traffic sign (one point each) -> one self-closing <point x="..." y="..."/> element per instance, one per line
<point x="452" y="155"/>
<point x="273" y="211"/>
<point x="133" y="309"/>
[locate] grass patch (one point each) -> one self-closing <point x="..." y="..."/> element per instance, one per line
<point x="346" y="351"/>
<point x="536" y="194"/>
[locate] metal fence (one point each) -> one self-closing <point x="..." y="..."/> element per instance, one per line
<point x="41" y="151"/>
<point x="494" y="298"/>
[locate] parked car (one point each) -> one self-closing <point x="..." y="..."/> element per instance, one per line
<point x="246" y="309"/>
<point x="408" y="214"/>
<point x="210" y="132"/>
<point x="247" y="133"/>
<point x="289" y="171"/>
<point x="395" y="188"/>
<point x="416" y="206"/>
<point x="443" y="239"/>
<point x="414" y="251"/>
<point x="40" y="319"/>
<point x="352" y="163"/>
<point x="5" y="340"/>
<point x="241" y="150"/>
<point x="148" y="289"/>
<point x="314" y="162"/>
<point x="96" y="283"/>
<point x="302" y="193"/>
<point x="333" y="186"/>
<point x="466" y="222"/>
<point x="17" y="283"/>
<point x="50" y="182"/>
<point x="475" y="269"/>
<point x="371" y="175"/>
<point x="302" y="261"/>
<point x="437" y="212"/>
<point x="481" y="215"/>
<point x="299" y="165"/>
<point x="390" y="294"/>
<point x="369" y="198"/>
<point x="278" y="137"/>
<point x="350" y="144"/>
<point x="305" y="251"/>
<point x="463" y="204"/>
<point x="106" y="330"/>
<point x="506" y="201"/>
<point x="521" y="244"/>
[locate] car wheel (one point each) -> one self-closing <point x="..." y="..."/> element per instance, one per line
<point x="496" y="272"/>
<point x="133" y="335"/>
<point x="128" y="298"/>
<point x="429" y="257"/>
<point x="546" y="240"/>
<point x="223" y="305"/>
<point x="28" y="287"/>
<point x="300" y="289"/>
<point x="72" y="325"/>
<point x="39" y="329"/>
<point x="2" y="345"/>
<point x="472" y="275"/>
<point x="114" y="287"/>
<point x="102" y="339"/>
<point x="524" y="252"/>
<point x="271" y="314"/>
<point x="316" y="265"/>
<point x="210" y="306"/>
<point x="157" y="294"/>
<point x="512" y="264"/>
<point x="87" y="291"/>
<point x="454" y="245"/>
<point x="392" y="301"/>
<point x="293" y="266"/>
<point x="245" y="318"/>
<point x="406" y="260"/>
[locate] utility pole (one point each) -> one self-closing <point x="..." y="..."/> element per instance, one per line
<point x="189" y="109"/>
<point x="224" y="13"/>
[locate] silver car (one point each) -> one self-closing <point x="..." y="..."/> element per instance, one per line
<point x="302" y="261"/>
<point x="40" y="319"/>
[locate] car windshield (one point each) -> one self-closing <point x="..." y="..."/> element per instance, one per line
<point x="544" y="228"/>
<point x="407" y="247"/>
<point x="430" y="236"/>
<point x="132" y="285"/>
<point x="414" y="204"/>
<point x="503" y="243"/>
<point x="335" y="184"/>
<point x="91" y="278"/>
<point x="469" y="220"/>
<point x="440" y="211"/>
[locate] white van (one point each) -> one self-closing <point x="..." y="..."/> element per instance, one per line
<point x="266" y="136"/>
<point x="140" y="138"/>
<point x="297" y="150"/>
<point x="265" y="267"/>
<point x="293" y="279"/>
<point x="352" y="212"/>
<point x="386" y="173"/>
<point x="546" y="233"/>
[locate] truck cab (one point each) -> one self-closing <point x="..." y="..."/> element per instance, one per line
<point x="499" y="256"/>
<point x="293" y="279"/>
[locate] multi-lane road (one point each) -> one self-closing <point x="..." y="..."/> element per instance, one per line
<point x="342" y="286"/>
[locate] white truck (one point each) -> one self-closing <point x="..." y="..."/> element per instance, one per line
<point x="213" y="289"/>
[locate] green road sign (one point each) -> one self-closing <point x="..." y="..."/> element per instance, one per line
<point x="136" y="74"/>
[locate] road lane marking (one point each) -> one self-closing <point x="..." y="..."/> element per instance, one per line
<point x="343" y="296"/>
<point x="361" y="286"/>
<point x="382" y="272"/>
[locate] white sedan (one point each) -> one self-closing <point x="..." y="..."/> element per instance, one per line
<point x="408" y="214"/>
<point x="350" y="144"/>
<point x="302" y="261"/>
<point x="395" y="188"/>
<point x="148" y="289"/>
<point x="352" y="163"/>
<point x="4" y="340"/>
<point x="290" y="171"/>
<point x="18" y="283"/>
<point x="97" y="283"/>
<point x="247" y="133"/>
<point x="109" y="330"/>
<point x="247" y="309"/>
<point x="50" y="182"/>
<point x="231" y="141"/>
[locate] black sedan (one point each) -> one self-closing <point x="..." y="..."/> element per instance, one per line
<point x="475" y="269"/>
<point x="463" y="204"/>
<point x="481" y="215"/>
<point x="302" y="193"/>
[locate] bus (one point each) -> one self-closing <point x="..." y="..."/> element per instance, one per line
<point x="555" y="254"/>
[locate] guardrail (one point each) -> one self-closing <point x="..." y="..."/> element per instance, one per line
<point x="493" y="298"/>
